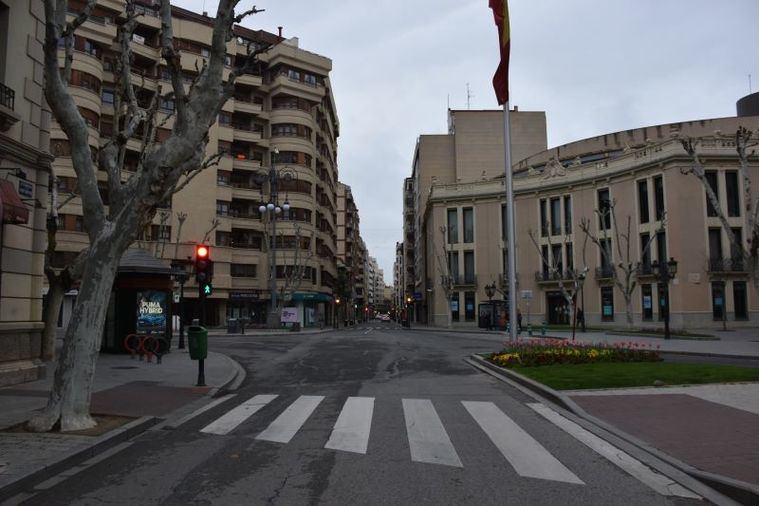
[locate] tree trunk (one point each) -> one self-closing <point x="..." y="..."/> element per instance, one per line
<point x="629" y="310"/>
<point x="69" y="400"/>
<point x="50" y="314"/>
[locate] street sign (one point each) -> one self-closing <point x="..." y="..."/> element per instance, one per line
<point x="417" y="295"/>
<point x="176" y="297"/>
<point x="527" y="294"/>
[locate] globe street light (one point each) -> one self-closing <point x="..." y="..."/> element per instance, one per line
<point x="272" y="209"/>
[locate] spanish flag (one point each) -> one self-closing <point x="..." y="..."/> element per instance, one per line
<point x="501" y="77"/>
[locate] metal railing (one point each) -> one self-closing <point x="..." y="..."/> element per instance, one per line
<point x="606" y="272"/>
<point x="7" y="96"/>
<point x="553" y="276"/>
<point x="726" y="265"/>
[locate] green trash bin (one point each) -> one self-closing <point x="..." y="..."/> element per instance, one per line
<point x="197" y="338"/>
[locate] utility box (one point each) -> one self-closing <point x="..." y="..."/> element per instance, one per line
<point x="197" y="338"/>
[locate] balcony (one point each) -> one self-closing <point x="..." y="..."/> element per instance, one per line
<point x="727" y="266"/>
<point x="553" y="276"/>
<point x="645" y="270"/>
<point x="8" y="116"/>
<point x="505" y="279"/>
<point x="463" y="281"/>
<point x="605" y="273"/>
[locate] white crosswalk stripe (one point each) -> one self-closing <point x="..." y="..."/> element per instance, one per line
<point x="291" y="420"/>
<point x="233" y="418"/>
<point x="524" y="453"/>
<point x="428" y="440"/>
<point x="351" y="431"/>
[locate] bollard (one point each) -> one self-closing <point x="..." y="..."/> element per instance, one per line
<point x="198" y="343"/>
<point x="543" y="329"/>
<point x="529" y="330"/>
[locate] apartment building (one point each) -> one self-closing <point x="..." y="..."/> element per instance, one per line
<point x="24" y="173"/>
<point x="349" y="248"/>
<point x="282" y="115"/>
<point x="462" y="219"/>
<point x="398" y="289"/>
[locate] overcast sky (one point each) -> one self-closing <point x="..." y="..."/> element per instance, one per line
<point x="594" y="66"/>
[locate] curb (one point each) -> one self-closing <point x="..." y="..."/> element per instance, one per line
<point x="233" y="379"/>
<point x="98" y="446"/>
<point x="743" y="492"/>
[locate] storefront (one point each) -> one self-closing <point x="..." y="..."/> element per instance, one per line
<point x="558" y="309"/>
<point x="247" y="305"/>
<point x="313" y="309"/>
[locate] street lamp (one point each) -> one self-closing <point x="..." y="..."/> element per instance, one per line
<point x="272" y="209"/>
<point x="665" y="271"/>
<point x="180" y="275"/>
<point x="490" y="291"/>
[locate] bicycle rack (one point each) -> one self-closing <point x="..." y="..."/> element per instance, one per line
<point x="146" y="345"/>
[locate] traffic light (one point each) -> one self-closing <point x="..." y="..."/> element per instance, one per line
<point x="203" y="268"/>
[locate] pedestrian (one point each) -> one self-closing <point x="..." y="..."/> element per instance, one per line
<point x="519" y="320"/>
<point x="581" y="319"/>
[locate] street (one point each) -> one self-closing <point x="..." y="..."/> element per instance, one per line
<point x="375" y="414"/>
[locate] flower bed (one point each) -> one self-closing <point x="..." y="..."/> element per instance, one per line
<point x="557" y="351"/>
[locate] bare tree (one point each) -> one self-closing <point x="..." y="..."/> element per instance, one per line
<point x="162" y="169"/>
<point x="443" y="266"/>
<point x="163" y="218"/>
<point x="214" y="225"/>
<point x="181" y="218"/>
<point x="623" y="272"/>
<point x="747" y="253"/>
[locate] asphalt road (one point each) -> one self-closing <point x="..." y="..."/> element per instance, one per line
<point x="426" y="429"/>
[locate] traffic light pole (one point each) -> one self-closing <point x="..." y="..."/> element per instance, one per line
<point x="273" y="246"/>
<point x="201" y="365"/>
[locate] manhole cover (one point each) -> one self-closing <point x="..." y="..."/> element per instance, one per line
<point x="125" y="367"/>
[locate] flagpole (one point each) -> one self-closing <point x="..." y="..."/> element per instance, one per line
<point x="511" y="239"/>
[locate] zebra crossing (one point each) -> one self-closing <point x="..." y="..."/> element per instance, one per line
<point x="429" y="442"/>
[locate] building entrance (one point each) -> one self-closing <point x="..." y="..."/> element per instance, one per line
<point x="558" y="309"/>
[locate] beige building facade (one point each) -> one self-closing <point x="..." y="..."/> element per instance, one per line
<point x="640" y="172"/>
<point x="282" y="116"/>
<point x="24" y="173"/>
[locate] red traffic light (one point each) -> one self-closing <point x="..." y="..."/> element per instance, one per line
<point x="201" y="252"/>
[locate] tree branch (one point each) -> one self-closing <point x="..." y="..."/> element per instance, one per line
<point x="173" y="63"/>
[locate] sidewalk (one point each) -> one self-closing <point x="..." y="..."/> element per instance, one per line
<point x="122" y="386"/>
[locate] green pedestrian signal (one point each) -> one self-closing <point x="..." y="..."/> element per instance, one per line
<point x="207" y="289"/>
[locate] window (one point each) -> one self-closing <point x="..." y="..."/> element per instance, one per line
<point x="607" y="303"/>
<point x="455" y="306"/>
<point x="504" y="222"/>
<point x="108" y="96"/>
<point x="643" y="201"/>
<point x="715" y="244"/>
<point x="544" y="258"/>
<point x="468" y="213"/>
<point x="607" y="257"/>
<point x="732" y="193"/>
<point x="663" y="294"/>
<point x="222" y="208"/>
<point x="453" y="264"/>
<point x="558" y="265"/>
<point x="661" y="246"/>
<point x="570" y="257"/>
<point x="543" y="218"/>
<point x="740" y="305"/>
<point x="604" y="209"/>
<point x="225" y="119"/>
<point x="711" y="179"/>
<point x="659" y="197"/>
<point x="647" y="302"/>
<point x="205" y="52"/>
<point x="735" y="253"/>
<point x="718" y="300"/>
<point x="293" y="74"/>
<point x="567" y="214"/>
<point x="645" y="249"/>
<point x="469" y="306"/>
<point x="167" y="104"/>
<point x="556" y="216"/>
<point x="242" y="270"/>
<point x="469" y="267"/>
<point x="453" y="226"/>
<point x="309" y="79"/>
<point x="223" y="238"/>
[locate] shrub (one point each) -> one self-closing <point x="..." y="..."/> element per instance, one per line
<point x="557" y="351"/>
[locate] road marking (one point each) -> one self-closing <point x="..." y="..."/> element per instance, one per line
<point x="351" y="431"/>
<point x="658" y="482"/>
<point x="290" y="421"/>
<point x="227" y="422"/>
<point x="370" y="329"/>
<point x="428" y="440"/>
<point x="524" y="453"/>
<point x="203" y="409"/>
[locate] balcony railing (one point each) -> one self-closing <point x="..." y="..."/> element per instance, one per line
<point x="644" y="270"/>
<point x="464" y="280"/>
<point x="727" y="265"/>
<point x="605" y="272"/>
<point x="554" y="276"/>
<point x="7" y="97"/>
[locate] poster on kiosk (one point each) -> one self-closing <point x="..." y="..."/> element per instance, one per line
<point x="151" y="312"/>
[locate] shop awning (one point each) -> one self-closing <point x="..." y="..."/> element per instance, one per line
<point x="12" y="210"/>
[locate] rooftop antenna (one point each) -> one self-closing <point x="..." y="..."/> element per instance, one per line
<point x="468" y="96"/>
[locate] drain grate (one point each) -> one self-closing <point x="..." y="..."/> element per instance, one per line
<point x="124" y="367"/>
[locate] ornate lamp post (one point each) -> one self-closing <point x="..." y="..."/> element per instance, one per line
<point x="665" y="271"/>
<point x="490" y="291"/>
<point x="271" y="210"/>
<point x="181" y="276"/>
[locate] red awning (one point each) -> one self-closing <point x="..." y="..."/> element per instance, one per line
<point x="12" y="210"/>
